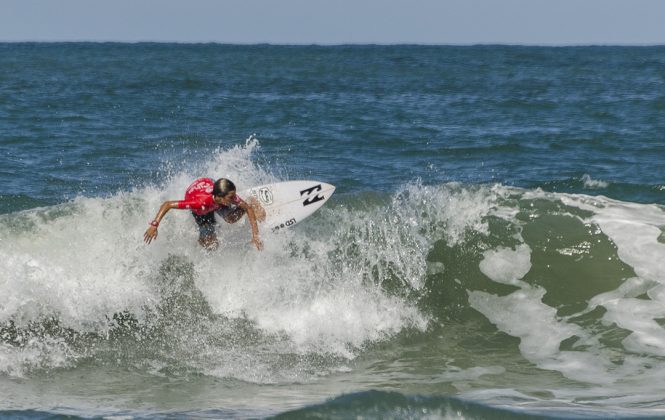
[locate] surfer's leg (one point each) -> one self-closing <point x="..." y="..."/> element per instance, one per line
<point x="209" y="242"/>
<point x="233" y="215"/>
<point x="207" y="235"/>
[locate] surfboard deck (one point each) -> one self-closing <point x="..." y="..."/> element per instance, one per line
<point x="290" y="202"/>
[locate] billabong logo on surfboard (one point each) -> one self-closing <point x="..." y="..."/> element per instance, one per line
<point x="309" y="192"/>
<point x="288" y="203"/>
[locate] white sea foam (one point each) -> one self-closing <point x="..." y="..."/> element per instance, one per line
<point x="46" y="353"/>
<point x="80" y="266"/>
<point x="453" y="373"/>
<point x="325" y="286"/>
<point x="634" y="229"/>
<point x="591" y="183"/>
<point x="508" y="266"/>
<point x="84" y="261"/>
<point x="522" y="314"/>
<point x="333" y="305"/>
<point x="450" y="211"/>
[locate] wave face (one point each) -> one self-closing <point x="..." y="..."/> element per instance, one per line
<point x="79" y="281"/>
<point x="495" y="238"/>
<point x="488" y="292"/>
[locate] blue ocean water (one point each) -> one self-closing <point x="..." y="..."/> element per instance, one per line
<point x="493" y="249"/>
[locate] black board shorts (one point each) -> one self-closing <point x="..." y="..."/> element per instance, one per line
<point x="206" y="222"/>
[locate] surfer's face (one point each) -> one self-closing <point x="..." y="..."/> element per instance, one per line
<point x="227" y="199"/>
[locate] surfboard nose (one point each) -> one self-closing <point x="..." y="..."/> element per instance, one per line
<point x="327" y="187"/>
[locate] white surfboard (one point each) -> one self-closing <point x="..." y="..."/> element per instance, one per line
<point x="290" y="202"/>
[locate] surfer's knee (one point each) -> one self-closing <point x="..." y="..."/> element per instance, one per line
<point x="209" y="242"/>
<point x="234" y="215"/>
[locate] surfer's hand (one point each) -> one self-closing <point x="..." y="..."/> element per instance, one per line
<point x="257" y="242"/>
<point x="150" y="234"/>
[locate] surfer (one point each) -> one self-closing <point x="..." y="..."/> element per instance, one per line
<point x="206" y="197"/>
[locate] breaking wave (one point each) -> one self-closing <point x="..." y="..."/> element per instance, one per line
<point x="576" y="282"/>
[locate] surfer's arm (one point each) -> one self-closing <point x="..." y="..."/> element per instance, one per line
<point x="252" y="222"/>
<point x="151" y="233"/>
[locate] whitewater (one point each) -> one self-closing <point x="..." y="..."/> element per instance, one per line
<point x="494" y="247"/>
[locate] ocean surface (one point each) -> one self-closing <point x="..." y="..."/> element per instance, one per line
<point x="495" y="247"/>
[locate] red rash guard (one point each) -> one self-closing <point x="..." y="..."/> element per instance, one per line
<point x="198" y="197"/>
